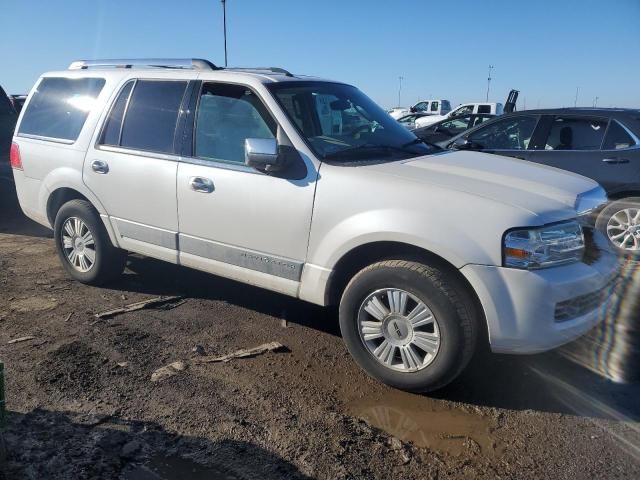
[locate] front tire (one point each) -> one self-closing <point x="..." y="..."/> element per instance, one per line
<point x="83" y="245"/>
<point x="620" y="222"/>
<point x="409" y="325"/>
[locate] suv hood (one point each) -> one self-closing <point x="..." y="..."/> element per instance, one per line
<point x="538" y="189"/>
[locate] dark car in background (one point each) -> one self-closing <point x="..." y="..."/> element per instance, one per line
<point x="442" y="132"/>
<point x="600" y="143"/>
<point x="8" y="117"/>
<point x="18" y="102"/>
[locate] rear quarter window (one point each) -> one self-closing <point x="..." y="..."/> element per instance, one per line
<point x="59" y="107"/>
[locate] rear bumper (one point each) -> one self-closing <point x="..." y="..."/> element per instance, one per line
<point x="535" y="311"/>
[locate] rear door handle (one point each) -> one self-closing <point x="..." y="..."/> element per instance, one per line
<point x="99" y="166"/>
<point x="615" y="161"/>
<point x="201" y="184"/>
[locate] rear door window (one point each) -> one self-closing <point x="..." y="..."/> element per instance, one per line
<point x="59" y="107"/>
<point x="434" y="106"/>
<point x="151" y="116"/>
<point x="484" y="108"/>
<point x="576" y="133"/>
<point x="617" y="137"/>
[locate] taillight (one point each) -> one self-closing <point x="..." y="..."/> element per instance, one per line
<point x="14" y="157"/>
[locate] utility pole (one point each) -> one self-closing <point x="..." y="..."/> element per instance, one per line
<point x="489" y="81"/>
<point x="400" y="90"/>
<point x="575" y="102"/>
<point x="224" y="26"/>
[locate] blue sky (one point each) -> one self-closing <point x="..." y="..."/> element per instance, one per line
<point x="442" y="48"/>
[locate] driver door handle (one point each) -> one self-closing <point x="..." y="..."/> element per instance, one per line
<point x="99" y="166"/>
<point x="201" y="184"/>
<point x="615" y="161"/>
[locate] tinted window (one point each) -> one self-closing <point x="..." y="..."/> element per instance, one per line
<point x="484" y="108"/>
<point x="573" y="133"/>
<point x="59" y="107"/>
<point x="227" y="116"/>
<point x="617" y="137"/>
<point x="506" y="134"/>
<point x="111" y="132"/>
<point x="434" y="106"/>
<point x="152" y="115"/>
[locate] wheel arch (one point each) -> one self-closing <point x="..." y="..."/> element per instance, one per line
<point x="363" y="255"/>
<point x="63" y="194"/>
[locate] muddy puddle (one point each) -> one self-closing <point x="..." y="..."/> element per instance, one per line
<point x="426" y="423"/>
<point x="176" y="468"/>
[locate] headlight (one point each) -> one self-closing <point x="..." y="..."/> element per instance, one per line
<point x="543" y="247"/>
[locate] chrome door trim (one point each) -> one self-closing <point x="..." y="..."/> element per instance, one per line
<point x="241" y="257"/>
<point x="147" y="234"/>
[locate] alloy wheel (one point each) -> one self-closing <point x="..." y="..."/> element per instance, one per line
<point x="399" y="330"/>
<point x="623" y="229"/>
<point x="78" y="244"/>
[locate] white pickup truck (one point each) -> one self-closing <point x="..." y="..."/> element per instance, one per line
<point x="463" y="109"/>
<point x="430" y="107"/>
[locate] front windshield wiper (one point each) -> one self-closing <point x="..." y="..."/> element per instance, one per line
<point x="418" y="141"/>
<point x="364" y="148"/>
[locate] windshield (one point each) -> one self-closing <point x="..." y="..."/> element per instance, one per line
<point x="340" y="123"/>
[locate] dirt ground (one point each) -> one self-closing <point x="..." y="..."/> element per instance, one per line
<point x="82" y="405"/>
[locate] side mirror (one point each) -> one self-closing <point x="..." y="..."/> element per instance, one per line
<point x="262" y="154"/>
<point x="413" y="110"/>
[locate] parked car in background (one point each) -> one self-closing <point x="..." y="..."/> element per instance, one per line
<point x="599" y="143"/>
<point x="429" y="107"/>
<point x="464" y="109"/>
<point x="442" y="132"/>
<point x="119" y="157"/>
<point x="8" y="117"/>
<point x="409" y="121"/>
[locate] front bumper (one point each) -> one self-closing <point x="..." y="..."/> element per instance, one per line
<point x="535" y="311"/>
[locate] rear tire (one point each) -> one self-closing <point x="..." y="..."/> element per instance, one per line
<point x="620" y="223"/>
<point x="84" y="246"/>
<point x="423" y="313"/>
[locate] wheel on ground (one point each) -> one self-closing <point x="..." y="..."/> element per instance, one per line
<point x="83" y="245"/>
<point x="409" y="325"/>
<point x="620" y="222"/>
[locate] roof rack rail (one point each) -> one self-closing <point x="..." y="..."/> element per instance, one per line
<point x="177" y="63"/>
<point x="262" y="69"/>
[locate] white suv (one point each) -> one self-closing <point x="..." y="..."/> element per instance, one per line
<point x="308" y="188"/>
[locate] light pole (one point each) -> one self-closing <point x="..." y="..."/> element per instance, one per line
<point x="489" y="81"/>
<point x="224" y="26"/>
<point x="400" y="90"/>
<point x="575" y="102"/>
<point x="595" y="102"/>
